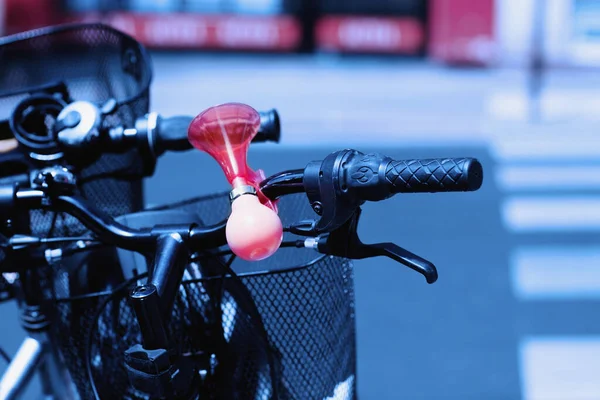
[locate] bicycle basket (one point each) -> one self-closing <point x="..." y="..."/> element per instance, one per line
<point x="302" y="345"/>
<point x="92" y="62"/>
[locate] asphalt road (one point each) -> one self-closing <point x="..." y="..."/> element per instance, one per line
<point x="512" y="315"/>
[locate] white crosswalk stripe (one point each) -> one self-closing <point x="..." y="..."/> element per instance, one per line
<point x="560" y="368"/>
<point x="548" y="177"/>
<point x="552" y="213"/>
<point x="551" y="188"/>
<point x="556" y="273"/>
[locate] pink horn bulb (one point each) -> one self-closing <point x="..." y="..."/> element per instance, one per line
<point x="254" y="231"/>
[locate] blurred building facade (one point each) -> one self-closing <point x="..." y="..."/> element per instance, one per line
<point x="483" y="32"/>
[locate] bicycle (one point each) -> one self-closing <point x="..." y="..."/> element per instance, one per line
<point x="182" y="321"/>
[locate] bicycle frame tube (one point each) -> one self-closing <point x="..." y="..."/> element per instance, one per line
<point x="153" y="302"/>
<point x="38" y="352"/>
<point x="21" y="369"/>
<point x="153" y="306"/>
<point x="55" y="378"/>
<point x="169" y="266"/>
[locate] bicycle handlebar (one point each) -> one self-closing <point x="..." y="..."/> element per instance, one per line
<point x="335" y="187"/>
<point x="81" y="132"/>
<point x="156" y="134"/>
<point x="171" y="133"/>
<point x="114" y="233"/>
<point x="344" y="180"/>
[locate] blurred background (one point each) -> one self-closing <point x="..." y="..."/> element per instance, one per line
<point x="515" y="83"/>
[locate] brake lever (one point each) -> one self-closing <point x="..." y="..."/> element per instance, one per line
<point x="344" y="242"/>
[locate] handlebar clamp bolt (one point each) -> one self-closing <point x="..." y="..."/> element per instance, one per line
<point x="317" y="207"/>
<point x="58" y="179"/>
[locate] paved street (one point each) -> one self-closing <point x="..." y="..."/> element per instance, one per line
<point x="513" y="313"/>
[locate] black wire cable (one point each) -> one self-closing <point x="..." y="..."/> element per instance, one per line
<point x="52" y="225"/>
<point x="223" y="276"/>
<point x="88" y="344"/>
<point x="219" y="302"/>
<point x="290" y="243"/>
<point x="219" y="293"/>
<point x="65" y="224"/>
<point x="255" y="315"/>
<point x="73" y="248"/>
<point x="68" y="239"/>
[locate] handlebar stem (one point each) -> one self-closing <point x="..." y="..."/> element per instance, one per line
<point x="169" y="264"/>
<point x="146" y="305"/>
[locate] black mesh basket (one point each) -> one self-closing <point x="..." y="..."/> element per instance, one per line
<point x="95" y="63"/>
<point x="284" y="326"/>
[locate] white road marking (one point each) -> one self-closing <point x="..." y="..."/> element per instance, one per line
<point x="554" y="177"/>
<point x="556" y="273"/>
<point x="551" y="214"/>
<point x="560" y="368"/>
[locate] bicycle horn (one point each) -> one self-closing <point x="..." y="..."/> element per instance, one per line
<point x="254" y="230"/>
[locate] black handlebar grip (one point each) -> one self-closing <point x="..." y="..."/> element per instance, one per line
<point x="434" y="175"/>
<point x="270" y="127"/>
<point x="172" y="133"/>
<point x="374" y="177"/>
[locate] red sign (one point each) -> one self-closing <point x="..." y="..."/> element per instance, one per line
<point x="26" y="14"/>
<point x="462" y="31"/>
<point x="204" y="31"/>
<point x="370" y="34"/>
